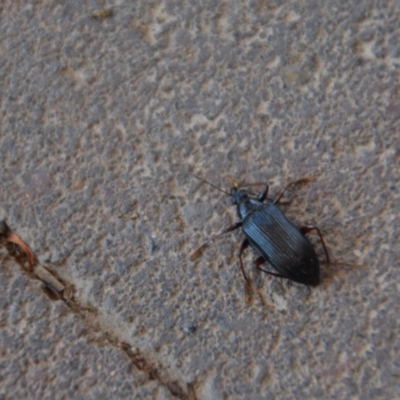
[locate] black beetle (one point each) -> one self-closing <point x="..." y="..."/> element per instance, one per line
<point x="279" y="242"/>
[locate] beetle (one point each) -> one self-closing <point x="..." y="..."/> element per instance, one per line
<point x="278" y="241"/>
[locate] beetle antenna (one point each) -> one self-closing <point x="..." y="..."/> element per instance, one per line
<point x="205" y="180"/>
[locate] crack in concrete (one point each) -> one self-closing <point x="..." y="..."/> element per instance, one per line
<point x="59" y="290"/>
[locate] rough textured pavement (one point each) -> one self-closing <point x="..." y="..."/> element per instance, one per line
<point x="101" y="114"/>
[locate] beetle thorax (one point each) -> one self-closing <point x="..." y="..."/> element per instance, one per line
<point x="245" y="204"/>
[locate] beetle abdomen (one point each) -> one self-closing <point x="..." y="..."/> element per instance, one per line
<point x="288" y="251"/>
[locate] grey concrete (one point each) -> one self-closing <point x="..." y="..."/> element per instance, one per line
<point x="98" y="119"/>
<point x="48" y="352"/>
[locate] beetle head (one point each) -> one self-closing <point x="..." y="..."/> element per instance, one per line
<point x="238" y="196"/>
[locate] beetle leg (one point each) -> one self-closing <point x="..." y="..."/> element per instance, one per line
<point x="197" y="253"/>
<point x="263" y="195"/>
<point x="244" y="245"/>
<point x="303" y="180"/>
<point x="261" y="260"/>
<point x="309" y="228"/>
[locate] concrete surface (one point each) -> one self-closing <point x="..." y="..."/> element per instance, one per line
<point x="100" y="116"/>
